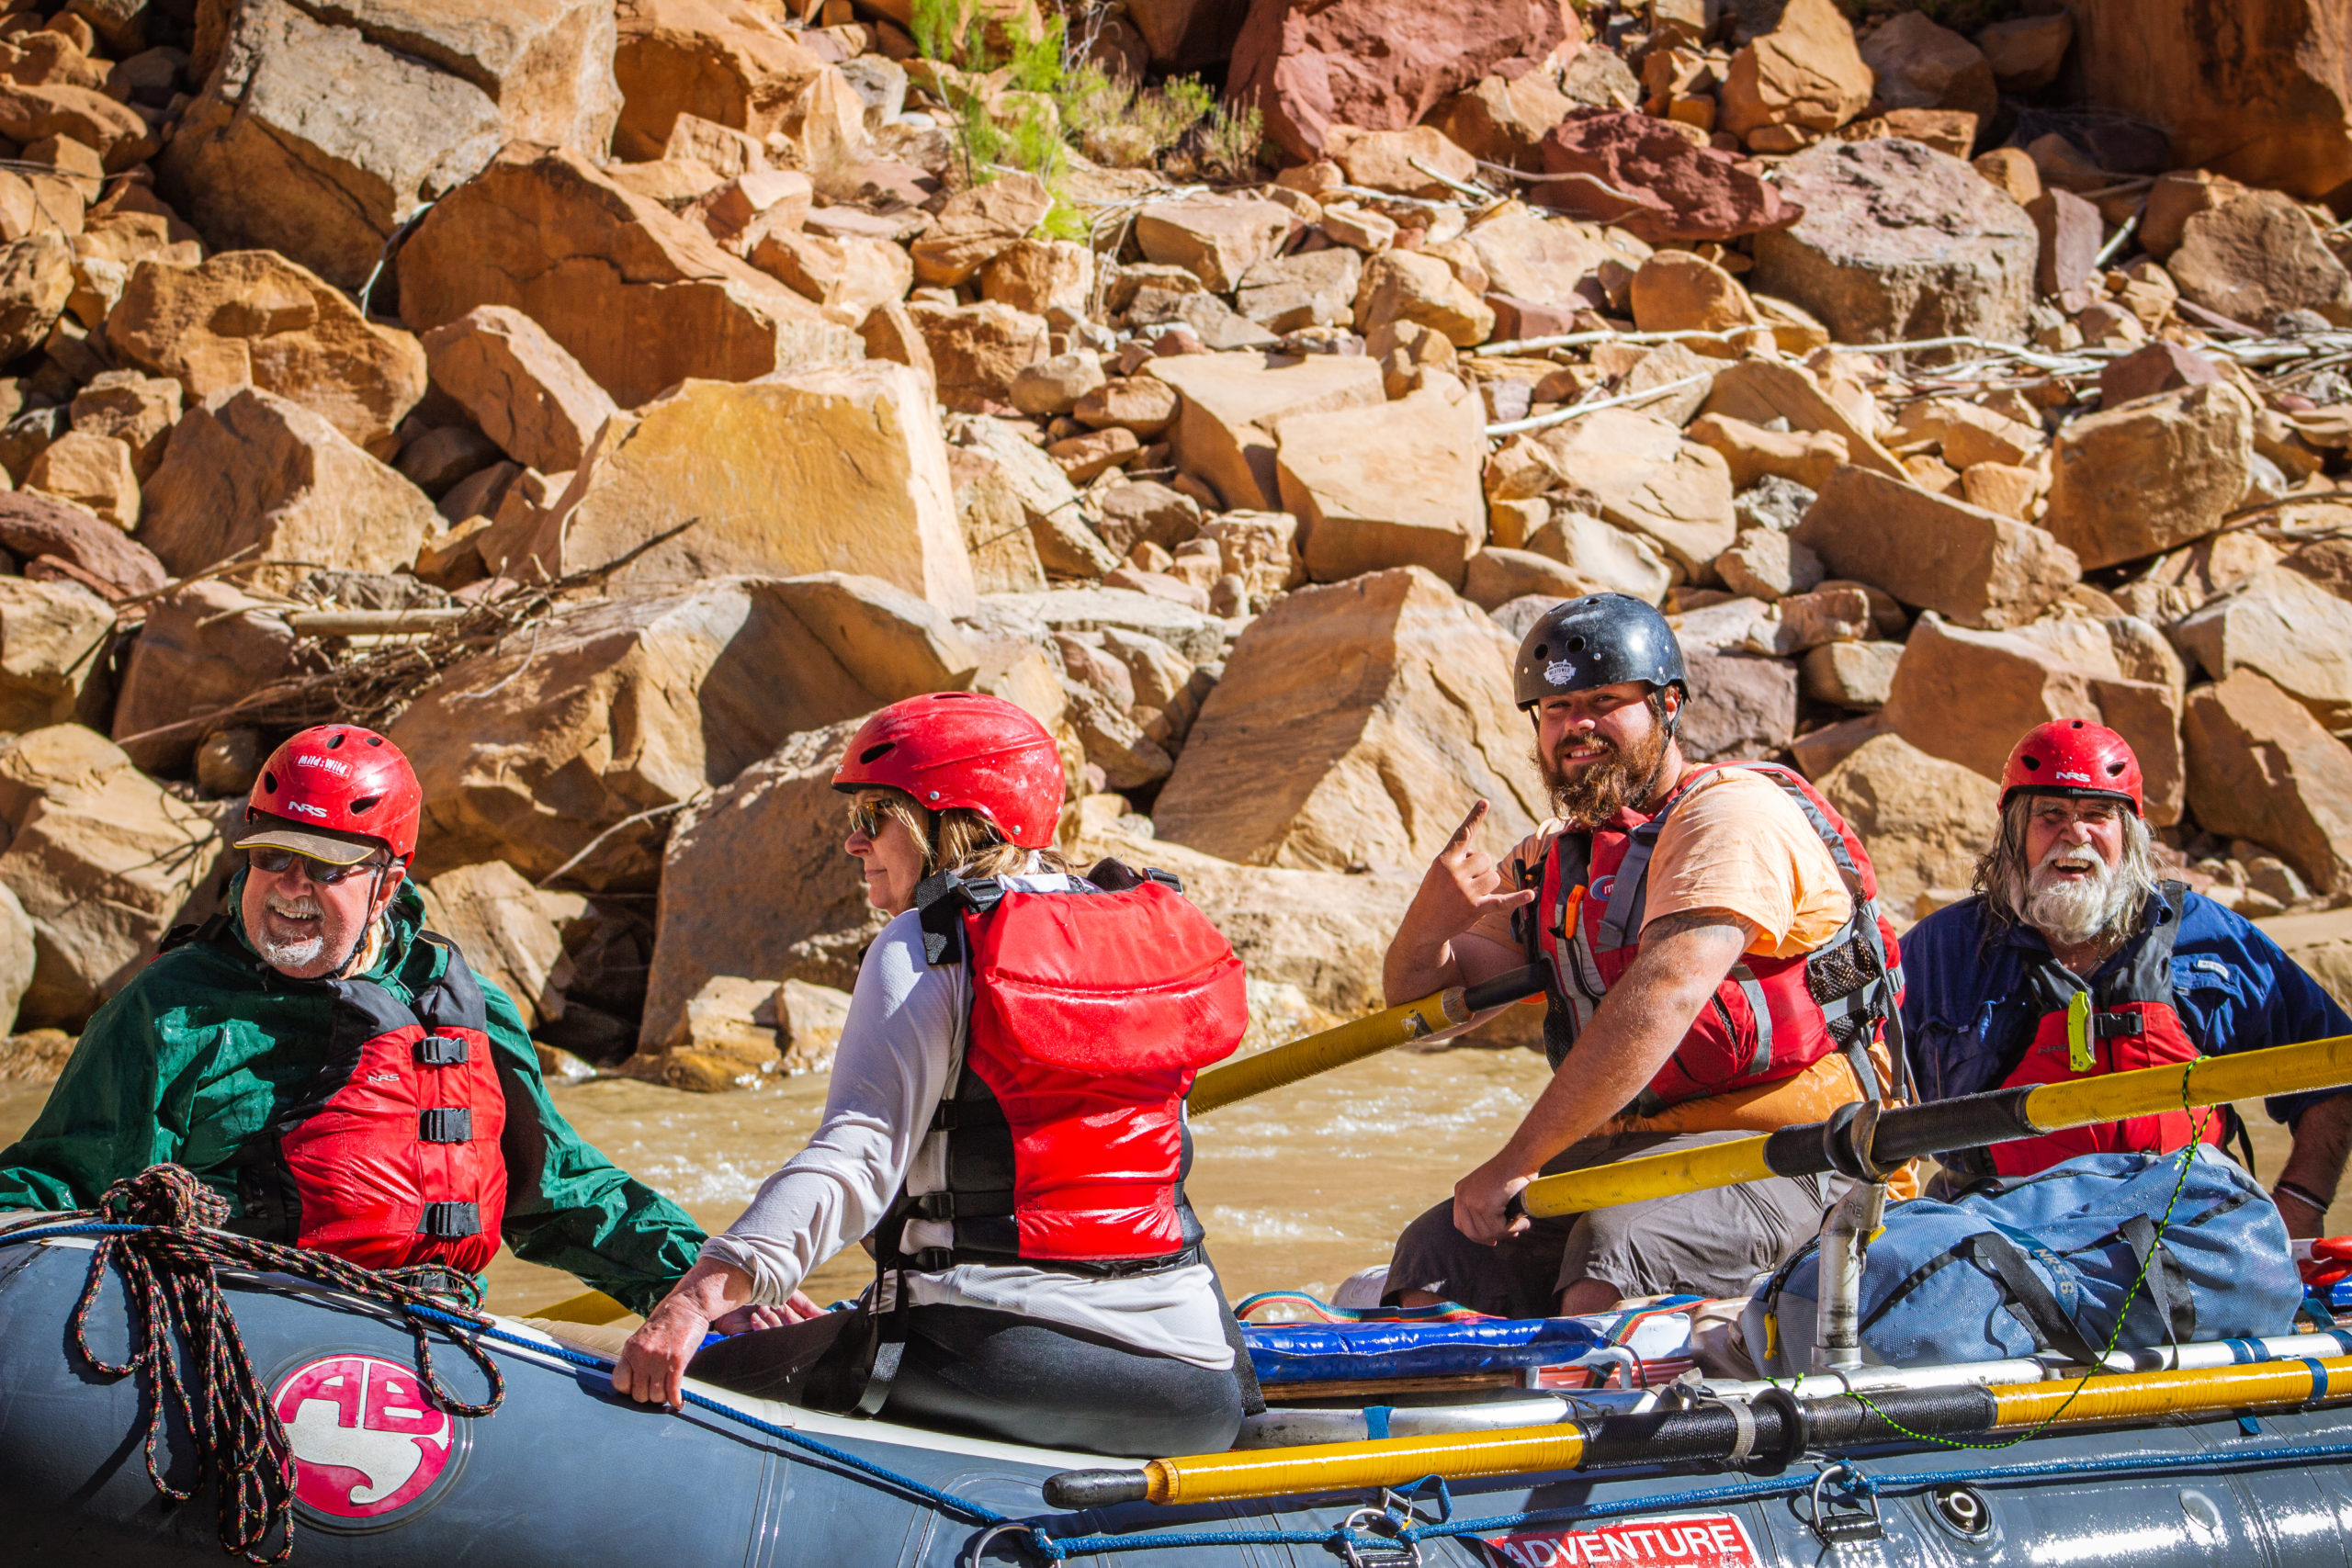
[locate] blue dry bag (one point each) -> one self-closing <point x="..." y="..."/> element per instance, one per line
<point x="2042" y="1264"/>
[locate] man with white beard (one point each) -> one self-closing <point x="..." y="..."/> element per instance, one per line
<point x="2075" y="958"/>
<point x="335" y="1070"/>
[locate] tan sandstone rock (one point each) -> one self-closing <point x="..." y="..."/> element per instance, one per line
<point x="1392" y="485"/>
<point x="524" y="392"/>
<point x="979" y="351"/>
<point x="204" y="645"/>
<point x="1641" y="475"/>
<point x="2260" y="767"/>
<point x="1967" y="695"/>
<point x="323" y="129"/>
<point x="94" y="470"/>
<point x="1924" y="820"/>
<point x="247" y="469"/>
<point x="1934" y="551"/>
<point x="626" y="707"/>
<point x="2286" y="628"/>
<point x="103" y="859"/>
<point x="851" y="474"/>
<point x="53" y="643"/>
<point x="535" y="230"/>
<point x="977" y="225"/>
<point x="2102" y="505"/>
<point x="499" y="921"/>
<point x="1214" y="239"/>
<point x="255" y="317"/>
<point x="1332" y="696"/>
<point x="1229" y="403"/>
<point x="1805" y="72"/>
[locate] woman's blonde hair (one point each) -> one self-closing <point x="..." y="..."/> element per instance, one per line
<point x="960" y="839"/>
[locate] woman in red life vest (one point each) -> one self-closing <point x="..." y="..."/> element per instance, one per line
<point x="1004" y="1130"/>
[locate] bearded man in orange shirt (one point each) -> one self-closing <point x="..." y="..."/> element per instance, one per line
<point x="1714" y="966"/>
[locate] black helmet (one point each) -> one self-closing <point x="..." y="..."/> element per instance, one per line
<point x="1596" y="640"/>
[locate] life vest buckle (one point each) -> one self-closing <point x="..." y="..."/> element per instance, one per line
<point x="449" y="1222"/>
<point x="445" y="1124"/>
<point x="442" y="1051"/>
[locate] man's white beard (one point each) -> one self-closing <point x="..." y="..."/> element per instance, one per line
<point x="293" y="955"/>
<point x="2070" y="912"/>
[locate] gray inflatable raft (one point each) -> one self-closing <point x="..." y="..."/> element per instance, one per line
<point x="568" y="1475"/>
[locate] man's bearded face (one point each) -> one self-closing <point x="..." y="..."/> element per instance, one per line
<point x="1594" y="773"/>
<point x="2074" y="894"/>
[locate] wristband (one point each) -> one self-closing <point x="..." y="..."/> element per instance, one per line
<point x="2309" y="1200"/>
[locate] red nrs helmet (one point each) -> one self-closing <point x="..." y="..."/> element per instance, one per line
<point x="351" y="783"/>
<point x="953" y="749"/>
<point x="2072" y="756"/>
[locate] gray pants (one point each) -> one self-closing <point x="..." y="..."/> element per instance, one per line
<point x="1709" y="1243"/>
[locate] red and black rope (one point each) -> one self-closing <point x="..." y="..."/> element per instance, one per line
<point x="169" y="1271"/>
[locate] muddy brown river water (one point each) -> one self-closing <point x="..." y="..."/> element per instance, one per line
<point x="1298" y="1190"/>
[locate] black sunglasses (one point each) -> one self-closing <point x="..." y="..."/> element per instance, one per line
<point x="276" y="862"/>
<point x="866" y="817"/>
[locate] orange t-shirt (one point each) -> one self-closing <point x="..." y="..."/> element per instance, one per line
<point x="1736" y="843"/>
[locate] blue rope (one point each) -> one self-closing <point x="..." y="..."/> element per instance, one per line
<point x="1058" y="1548"/>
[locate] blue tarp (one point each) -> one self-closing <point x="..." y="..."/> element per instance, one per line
<point x="1329" y="1352"/>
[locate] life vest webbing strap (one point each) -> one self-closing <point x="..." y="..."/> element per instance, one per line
<point x="1761" y="1012"/>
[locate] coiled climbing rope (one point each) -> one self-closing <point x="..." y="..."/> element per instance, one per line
<point x="169" y="1252"/>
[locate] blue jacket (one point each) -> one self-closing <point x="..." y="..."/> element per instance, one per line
<point x="2232" y="987"/>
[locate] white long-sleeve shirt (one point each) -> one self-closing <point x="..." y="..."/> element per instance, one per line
<point x="901" y="1053"/>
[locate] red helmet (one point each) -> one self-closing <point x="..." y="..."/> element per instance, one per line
<point x="2072" y="756"/>
<point x="350" y="783"/>
<point x="963" y="748"/>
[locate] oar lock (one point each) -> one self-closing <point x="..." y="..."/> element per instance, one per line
<point x="1847" y="1139"/>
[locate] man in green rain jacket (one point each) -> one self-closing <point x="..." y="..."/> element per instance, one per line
<point x="213" y="1056"/>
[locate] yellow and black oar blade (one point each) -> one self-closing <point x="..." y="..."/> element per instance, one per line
<point x="1354" y="1041"/>
<point x="1849" y="1145"/>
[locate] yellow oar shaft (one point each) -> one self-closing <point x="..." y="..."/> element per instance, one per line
<point x="1339" y="1467"/>
<point x="1971" y="1121"/>
<point x="1705" y="1434"/>
<point x="1321" y="1052"/>
<point x="2169" y="1392"/>
<point x="2212" y="1080"/>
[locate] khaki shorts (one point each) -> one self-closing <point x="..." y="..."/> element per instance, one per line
<point x="1709" y="1243"/>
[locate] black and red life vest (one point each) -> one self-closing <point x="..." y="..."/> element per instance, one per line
<point x="389" y="1155"/>
<point x="1771" y="1018"/>
<point x="1062" y="1144"/>
<point x="2073" y="1028"/>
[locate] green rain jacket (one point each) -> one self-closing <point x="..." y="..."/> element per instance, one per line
<point x="192" y="1058"/>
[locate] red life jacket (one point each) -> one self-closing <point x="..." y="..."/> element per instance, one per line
<point x="389" y="1155"/>
<point x="1065" y="1140"/>
<point x="1771" y="1018"/>
<point x="2126" y="1020"/>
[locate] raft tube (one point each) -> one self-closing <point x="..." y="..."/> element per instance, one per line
<point x="567" y="1475"/>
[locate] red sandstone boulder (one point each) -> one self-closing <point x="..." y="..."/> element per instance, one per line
<point x="1677" y="190"/>
<point x="1382" y="65"/>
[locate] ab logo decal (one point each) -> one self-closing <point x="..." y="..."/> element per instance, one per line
<point x="366" y="1439"/>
